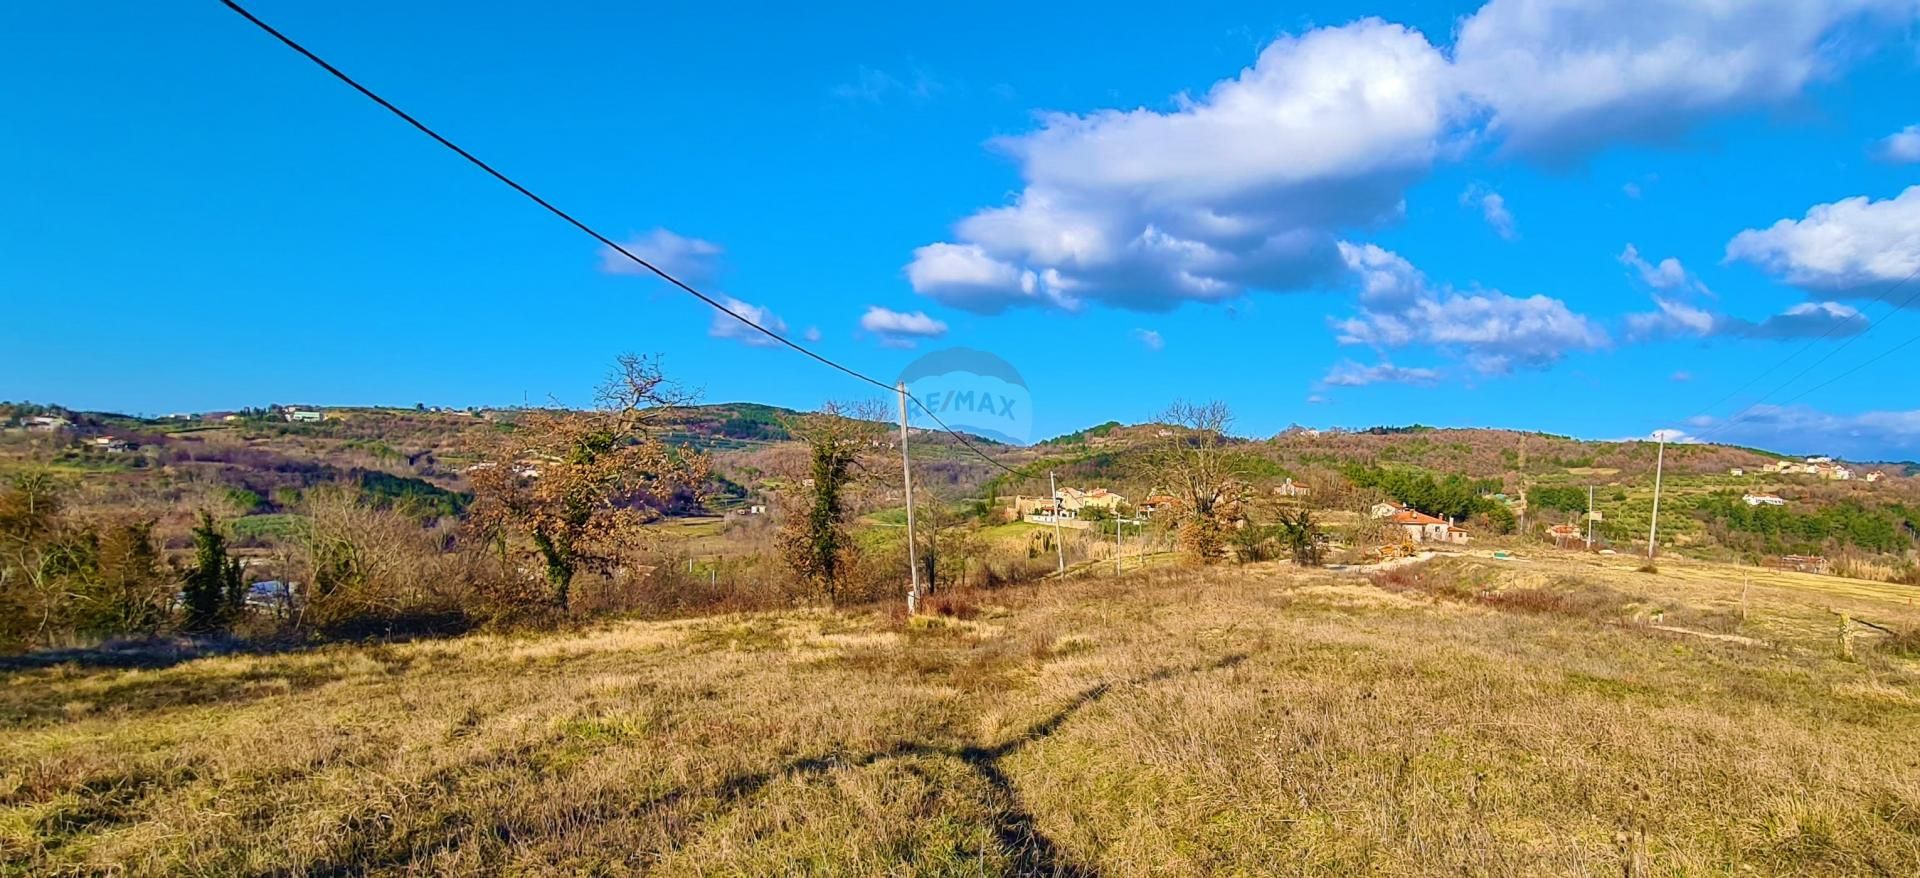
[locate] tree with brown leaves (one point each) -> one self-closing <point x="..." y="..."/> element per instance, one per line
<point x="574" y="489"/>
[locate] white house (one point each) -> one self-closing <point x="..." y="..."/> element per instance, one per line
<point x="1763" y="500"/>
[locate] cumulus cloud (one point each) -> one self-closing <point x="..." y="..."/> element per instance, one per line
<point x="1855" y="247"/>
<point x="1251" y="184"/>
<point x="1902" y="145"/>
<point x="1493" y="207"/>
<point x="1563" y="77"/>
<point x="1348" y="373"/>
<point x="1238" y="188"/>
<point x="1149" y="339"/>
<point x="689" y="259"/>
<point x="729" y="328"/>
<point x="1806" y="320"/>
<point x="901" y="328"/>
<point x="1800" y="429"/>
<point x="1493" y="331"/>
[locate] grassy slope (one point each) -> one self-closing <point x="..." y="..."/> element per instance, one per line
<point x="1245" y="721"/>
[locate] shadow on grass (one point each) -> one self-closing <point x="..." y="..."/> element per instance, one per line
<point x="1015" y="828"/>
<point x="160" y="652"/>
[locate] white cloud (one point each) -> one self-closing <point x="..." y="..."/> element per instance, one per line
<point x="1855" y="247"/>
<point x="1251" y="184"/>
<point x="689" y="259"/>
<point x="1681" y="377"/>
<point x="1242" y="187"/>
<point x="1493" y="331"/>
<point x="873" y="85"/>
<point x="1811" y="320"/>
<point x="965" y="276"/>
<point x="1805" y="320"/>
<point x="727" y="327"/>
<point x="900" y="328"/>
<point x="1632" y="190"/>
<point x="1563" y="77"/>
<point x="1493" y="207"/>
<point x="1902" y="145"/>
<point x="1348" y="373"/>
<point x="1667" y="274"/>
<point x="812" y="334"/>
<point x="1802" y="430"/>
<point x="1675" y="318"/>
<point x="1150" y="339"/>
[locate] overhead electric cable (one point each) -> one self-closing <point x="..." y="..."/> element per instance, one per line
<point x="1738" y="416"/>
<point x="571" y="220"/>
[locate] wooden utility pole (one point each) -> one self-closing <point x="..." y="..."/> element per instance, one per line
<point x="1059" y="545"/>
<point x="1117" y="546"/>
<point x="906" y="479"/>
<point x="1659" y="464"/>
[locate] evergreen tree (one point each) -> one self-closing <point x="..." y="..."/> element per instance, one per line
<point x="214" y="591"/>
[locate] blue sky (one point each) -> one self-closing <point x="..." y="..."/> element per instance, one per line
<point x="1334" y="214"/>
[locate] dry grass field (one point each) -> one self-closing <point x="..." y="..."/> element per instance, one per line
<point x="1465" y="717"/>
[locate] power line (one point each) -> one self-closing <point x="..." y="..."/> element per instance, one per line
<point x="437" y="137"/>
<point x="1825" y="357"/>
<point x="1861" y="365"/>
<point x="963" y="439"/>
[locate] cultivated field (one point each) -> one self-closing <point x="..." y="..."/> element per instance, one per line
<point x="1465" y="717"/>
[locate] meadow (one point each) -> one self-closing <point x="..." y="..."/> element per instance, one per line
<point x="1553" y="715"/>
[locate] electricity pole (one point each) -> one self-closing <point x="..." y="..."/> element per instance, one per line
<point x="906" y="479"/>
<point x="1116" y="540"/>
<point x="1659" y="463"/>
<point x="1589" y="518"/>
<point x="1059" y="545"/>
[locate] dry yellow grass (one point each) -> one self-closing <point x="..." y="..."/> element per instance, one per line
<point x="1248" y="721"/>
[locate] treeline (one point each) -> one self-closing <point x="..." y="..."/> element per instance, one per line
<point x="63" y="577"/>
<point x="1783" y="529"/>
<point x="1563" y="498"/>
<point x="1452" y="495"/>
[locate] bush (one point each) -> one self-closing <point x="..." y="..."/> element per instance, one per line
<point x="370" y="568"/>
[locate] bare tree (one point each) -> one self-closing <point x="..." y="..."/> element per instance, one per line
<point x="578" y="486"/>
<point x="946" y="539"/>
<point x="1192" y="461"/>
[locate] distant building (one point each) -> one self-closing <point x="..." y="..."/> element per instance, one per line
<point x="271" y="595"/>
<point x="1763" y="500"/>
<point x="1736" y="471"/>
<point x="47" y="424"/>
<point x="1565" y="534"/>
<point x="305" y="415"/>
<point x="1874" y="476"/>
<point x="1070" y="502"/>
<point x="1419" y="526"/>
<point x="1155" y="503"/>
<point x="110" y="445"/>
<point x="1289" y="488"/>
